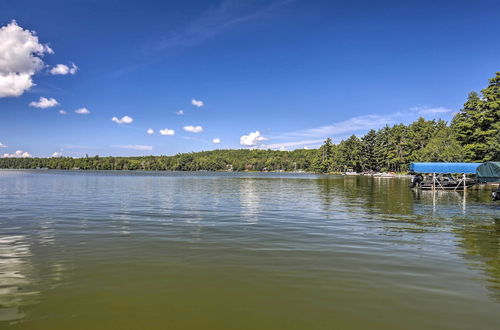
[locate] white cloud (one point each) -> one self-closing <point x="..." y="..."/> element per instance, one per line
<point x="62" y="112"/>
<point x="150" y="131"/>
<point x="82" y="111"/>
<point x="193" y="129"/>
<point x="20" y="59"/>
<point x="252" y="139"/>
<point x="306" y="148"/>
<point x="291" y="144"/>
<point x="123" y="120"/>
<point x="351" y="125"/>
<point x="197" y="103"/>
<point x="57" y="154"/>
<point x="167" y="131"/>
<point x="431" y="110"/>
<point x="44" y="103"/>
<point x="62" y="69"/>
<point x="18" y="154"/>
<point x="216" y="141"/>
<point x="179" y="113"/>
<point x="2" y="145"/>
<point x="135" y="147"/>
<point x="282" y="148"/>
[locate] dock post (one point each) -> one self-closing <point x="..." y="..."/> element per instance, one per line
<point x="465" y="187"/>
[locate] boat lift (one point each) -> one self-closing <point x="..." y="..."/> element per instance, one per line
<point x="443" y="168"/>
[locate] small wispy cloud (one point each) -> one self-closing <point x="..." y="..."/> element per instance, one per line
<point x="134" y="147"/>
<point x="57" y="154"/>
<point x="150" y="131"/>
<point x="82" y="111"/>
<point x="216" y="141"/>
<point x="122" y="120"/>
<point x="62" y="69"/>
<point x="291" y="144"/>
<point x="62" y="112"/>
<point x="197" y="103"/>
<point x="44" y="103"/>
<point x="351" y="125"/>
<point x="167" y="131"/>
<point x="431" y="110"/>
<point x="2" y="145"/>
<point x="77" y="146"/>
<point x="179" y="113"/>
<point x="217" y="20"/>
<point x="357" y="125"/>
<point x="193" y="129"/>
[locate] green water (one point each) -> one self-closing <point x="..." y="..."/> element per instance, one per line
<point x="128" y="250"/>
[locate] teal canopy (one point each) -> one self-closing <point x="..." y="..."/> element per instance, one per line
<point x="488" y="172"/>
<point x="445" y="168"/>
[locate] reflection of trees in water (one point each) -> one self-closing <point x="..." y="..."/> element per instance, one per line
<point x="372" y="195"/>
<point x="481" y="243"/>
<point x="389" y="196"/>
<point x="421" y="211"/>
<point x="326" y="191"/>
<point x="16" y="275"/>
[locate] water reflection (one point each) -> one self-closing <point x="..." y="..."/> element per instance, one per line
<point x="357" y="241"/>
<point x="481" y="243"/>
<point x="249" y="200"/>
<point x="472" y="217"/>
<point x="16" y="276"/>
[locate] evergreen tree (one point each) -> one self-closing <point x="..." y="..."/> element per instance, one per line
<point x="369" y="151"/>
<point x="477" y="125"/>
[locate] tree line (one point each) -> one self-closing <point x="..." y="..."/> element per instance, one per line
<point x="472" y="135"/>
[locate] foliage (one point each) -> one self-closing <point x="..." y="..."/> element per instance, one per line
<point x="477" y="125"/>
<point x="216" y="160"/>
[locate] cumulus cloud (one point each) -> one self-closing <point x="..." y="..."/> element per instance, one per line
<point x="252" y="139"/>
<point x="123" y="120"/>
<point x="216" y="141"/>
<point x="197" y="103"/>
<point x="82" y="111"/>
<point x="18" y="154"/>
<point x="62" y="112"/>
<point x="193" y="129"/>
<point x="179" y="113"/>
<point x="44" y="103"/>
<point x="150" y="131"/>
<point x="20" y="59"/>
<point x="134" y="147"/>
<point x="167" y="131"/>
<point x="62" y="69"/>
<point x="57" y="154"/>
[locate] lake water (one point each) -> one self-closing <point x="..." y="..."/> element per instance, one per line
<point x="145" y="250"/>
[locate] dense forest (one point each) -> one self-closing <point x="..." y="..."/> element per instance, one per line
<point x="472" y="135"/>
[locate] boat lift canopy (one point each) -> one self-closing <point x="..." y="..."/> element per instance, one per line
<point x="444" y="168"/>
<point x="488" y="172"/>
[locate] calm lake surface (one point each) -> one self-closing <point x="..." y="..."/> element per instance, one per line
<point x="145" y="250"/>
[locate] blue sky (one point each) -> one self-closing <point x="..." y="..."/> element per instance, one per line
<point x="270" y="74"/>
